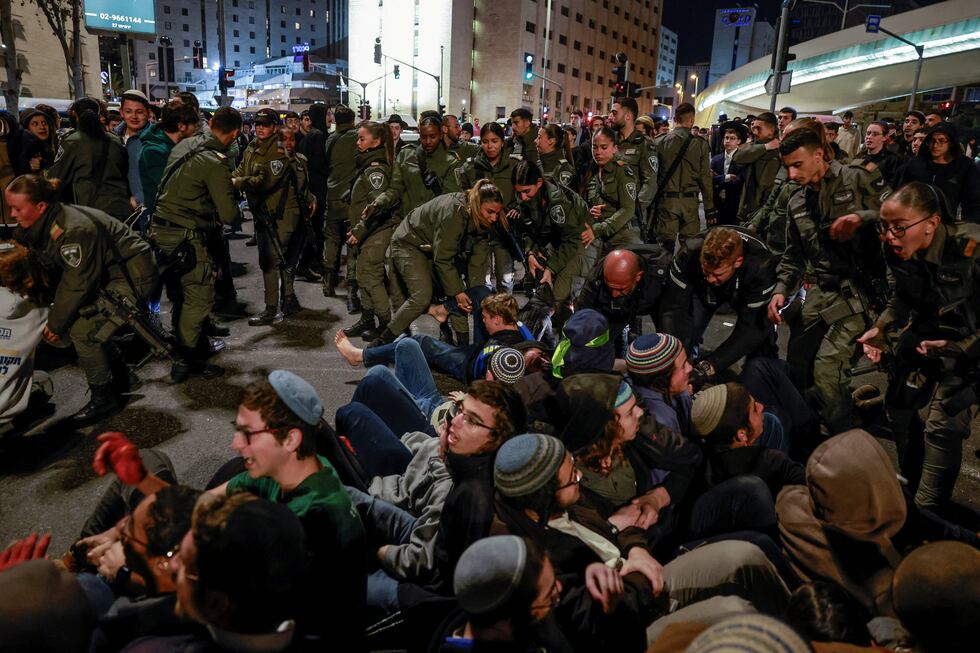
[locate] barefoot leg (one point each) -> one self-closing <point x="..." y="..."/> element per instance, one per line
<point x="353" y="355"/>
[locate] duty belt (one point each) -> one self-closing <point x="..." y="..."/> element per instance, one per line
<point x="173" y="225"/>
<point x="828" y="282"/>
<point x="684" y="194"/>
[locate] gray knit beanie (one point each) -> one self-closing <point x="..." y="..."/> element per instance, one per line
<point x="526" y="463"/>
<point x="488" y="572"/>
<point x="749" y="633"/>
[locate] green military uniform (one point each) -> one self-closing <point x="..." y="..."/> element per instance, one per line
<point x="94" y="173"/>
<point x="429" y="240"/>
<point x="555" y="166"/>
<point x="88" y="250"/>
<point x="556" y="218"/>
<point x="937" y="294"/>
<point x="407" y="189"/>
<point x="523" y="147"/>
<point x="834" y="313"/>
<point x="342" y="163"/>
<point x="639" y="154"/>
<point x="269" y="179"/>
<point x="464" y="149"/>
<point x="373" y="235"/>
<point x="769" y="222"/>
<point x="190" y="199"/>
<point x="677" y="210"/>
<point x="614" y="186"/>
<point x="761" y="166"/>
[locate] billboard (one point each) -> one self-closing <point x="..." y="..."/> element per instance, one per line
<point x="736" y="17"/>
<point x="128" y="16"/>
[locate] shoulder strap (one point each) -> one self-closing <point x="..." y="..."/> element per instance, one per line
<point x="172" y="170"/>
<point x="662" y="186"/>
<point x="115" y="250"/>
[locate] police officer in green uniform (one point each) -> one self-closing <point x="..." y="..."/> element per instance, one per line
<point x="92" y="163"/>
<point x="268" y="178"/>
<point x="552" y="228"/>
<point x="85" y="250"/>
<point x="638" y="153"/>
<point x="556" y="157"/>
<point x="196" y="191"/>
<point x="829" y="234"/>
<point x="451" y="134"/>
<point x="611" y="196"/>
<point x="931" y="330"/>
<point x="429" y="242"/>
<point x="371" y="235"/>
<point x="341" y="162"/>
<point x="676" y="213"/>
<point x="761" y="162"/>
<point x="524" y="133"/>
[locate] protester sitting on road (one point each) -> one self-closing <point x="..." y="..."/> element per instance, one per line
<point x="658" y="366"/>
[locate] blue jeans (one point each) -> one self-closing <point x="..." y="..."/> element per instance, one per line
<point x="402" y="399"/>
<point x="476" y="294"/>
<point x="441" y="356"/>
<point x="378" y="449"/>
<point x="384" y="523"/>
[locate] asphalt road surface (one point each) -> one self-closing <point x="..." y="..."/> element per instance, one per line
<point x="46" y="477"/>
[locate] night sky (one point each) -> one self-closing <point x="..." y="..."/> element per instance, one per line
<point x="694" y="35"/>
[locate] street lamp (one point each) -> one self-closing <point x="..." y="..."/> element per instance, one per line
<point x="680" y="90"/>
<point x="695" y="78"/>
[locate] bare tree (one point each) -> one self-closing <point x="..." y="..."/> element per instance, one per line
<point x="65" y="20"/>
<point x="8" y="33"/>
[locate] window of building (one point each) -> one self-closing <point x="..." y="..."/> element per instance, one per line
<point x="312" y="28"/>
<point x="236" y="48"/>
<point x="312" y="42"/>
<point x="578" y="18"/>
<point x="282" y="9"/>
<point x="591" y="24"/>
<point x="282" y="39"/>
<point x="615" y="34"/>
<point x="312" y="13"/>
<point x="577" y="45"/>
<point x="602" y="29"/>
<point x="251" y="35"/>
<point x="282" y="24"/>
<point x="529" y="27"/>
<point x="235" y="33"/>
<point x="251" y="49"/>
<point x="251" y="4"/>
<point x="561" y="68"/>
<point x="251" y="20"/>
<point x="586" y="103"/>
<point x="564" y="10"/>
<point x="588" y="77"/>
<point x="562" y="39"/>
<point x="166" y="10"/>
<point x="168" y="26"/>
<point x="574" y="101"/>
<point x="183" y="12"/>
<point x="574" y="72"/>
<point x="238" y="63"/>
<point x="296" y="25"/>
<point x="590" y="50"/>
<point x="600" y="79"/>
<point x="501" y="112"/>
<point x="185" y="27"/>
<point x="297" y="11"/>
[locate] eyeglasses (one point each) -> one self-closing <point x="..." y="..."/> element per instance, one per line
<point x="576" y="477"/>
<point x="469" y="418"/>
<point x="249" y="434"/>
<point x="169" y="558"/>
<point x="554" y="598"/>
<point x="898" y="231"/>
<point x="126" y="536"/>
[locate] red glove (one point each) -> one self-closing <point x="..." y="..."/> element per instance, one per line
<point x="121" y="456"/>
<point x="29" y="548"/>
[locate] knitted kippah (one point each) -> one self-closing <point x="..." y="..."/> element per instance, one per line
<point x="624" y="394"/>
<point x="708" y="407"/>
<point x="652" y="353"/>
<point x="507" y="365"/>
<point x="488" y="572"/>
<point x="749" y="633"/>
<point x="526" y="463"/>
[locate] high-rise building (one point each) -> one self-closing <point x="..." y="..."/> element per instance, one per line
<point x="809" y="20"/>
<point x="254" y="30"/>
<point x="478" y="49"/>
<point x="667" y="57"/>
<point x="739" y="37"/>
<point x="691" y="78"/>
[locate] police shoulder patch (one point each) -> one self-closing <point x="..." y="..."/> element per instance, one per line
<point x="376" y="179"/>
<point x="60" y="153"/>
<point x="276" y="166"/>
<point x="564" y="177"/>
<point x="884" y="196"/>
<point x="631" y="189"/>
<point x="654" y="162"/>
<point x="558" y="214"/>
<point x="72" y="253"/>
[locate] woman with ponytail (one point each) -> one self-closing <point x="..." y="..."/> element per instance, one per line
<point x="611" y="195"/>
<point x="92" y="164"/>
<point x="371" y="235"/>
<point x="556" y="156"/>
<point x="426" y="246"/>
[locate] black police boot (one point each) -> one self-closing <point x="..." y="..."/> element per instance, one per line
<point x="375" y="332"/>
<point x="446" y="334"/>
<point x="307" y="273"/>
<point x="330" y="284"/>
<point x="212" y="328"/>
<point x="102" y="404"/>
<point x="353" y="300"/>
<point x="362" y="326"/>
<point x="384" y="338"/>
<point x="185" y="368"/>
<point x="290" y="305"/>
<point x="124" y="379"/>
<point x="270" y="315"/>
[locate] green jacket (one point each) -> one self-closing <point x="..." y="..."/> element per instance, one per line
<point x="341" y="162"/>
<point x="153" y="160"/>
<point x="761" y="166"/>
<point x="769" y="222"/>
<point x="75" y="165"/>
<point x="464" y="149"/>
<point x="523" y="147"/>
<point x="640" y="155"/>
<point x="372" y="179"/>
<point x="265" y="174"/>
<point x="478" y="167"/>
<point x="557" y="217"/>
<point x="442" y="226"/>
<point x="555" y="166"/>
<point x="693" y="175"/>
<point x="615" y="186"/>
<point x="71" y="241"/>
<point x="201" y="188"/>
<point x="843" y="190"/>
<point x="407" y="186"/>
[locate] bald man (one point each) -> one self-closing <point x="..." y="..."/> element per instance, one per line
<point x="625" y="285"/>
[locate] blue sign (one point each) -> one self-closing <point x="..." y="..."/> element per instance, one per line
<point x="873" y="24"/>
<point x="129" y="16"/>
<point x="736" y="17"/>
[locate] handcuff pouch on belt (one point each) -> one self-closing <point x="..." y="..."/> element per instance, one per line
<point x="851" y="302"/>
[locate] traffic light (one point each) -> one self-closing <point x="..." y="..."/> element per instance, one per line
<point x="528" y="66"/>
<point x="544" y="114"/>
<point x="229" y="73"/>
<point x="631" y="89"/>
<point x="442" y="107"/>
<point x="364" y="111"/>
<point x="377" y="50"/>
<point x="397" y="71"/>
<point x="620" y="73"/>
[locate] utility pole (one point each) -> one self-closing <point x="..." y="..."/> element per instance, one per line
<point x="779" y="61"/>
<point x="223" y="99"/>
<point x="544" y="66"/>
<point x="873" y="25"/>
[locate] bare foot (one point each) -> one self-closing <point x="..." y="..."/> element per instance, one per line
<point x="351" y="354"/>
<point x="439" y="312"/>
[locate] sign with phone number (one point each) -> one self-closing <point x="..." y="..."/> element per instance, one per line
<point x="132" y="16"/>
